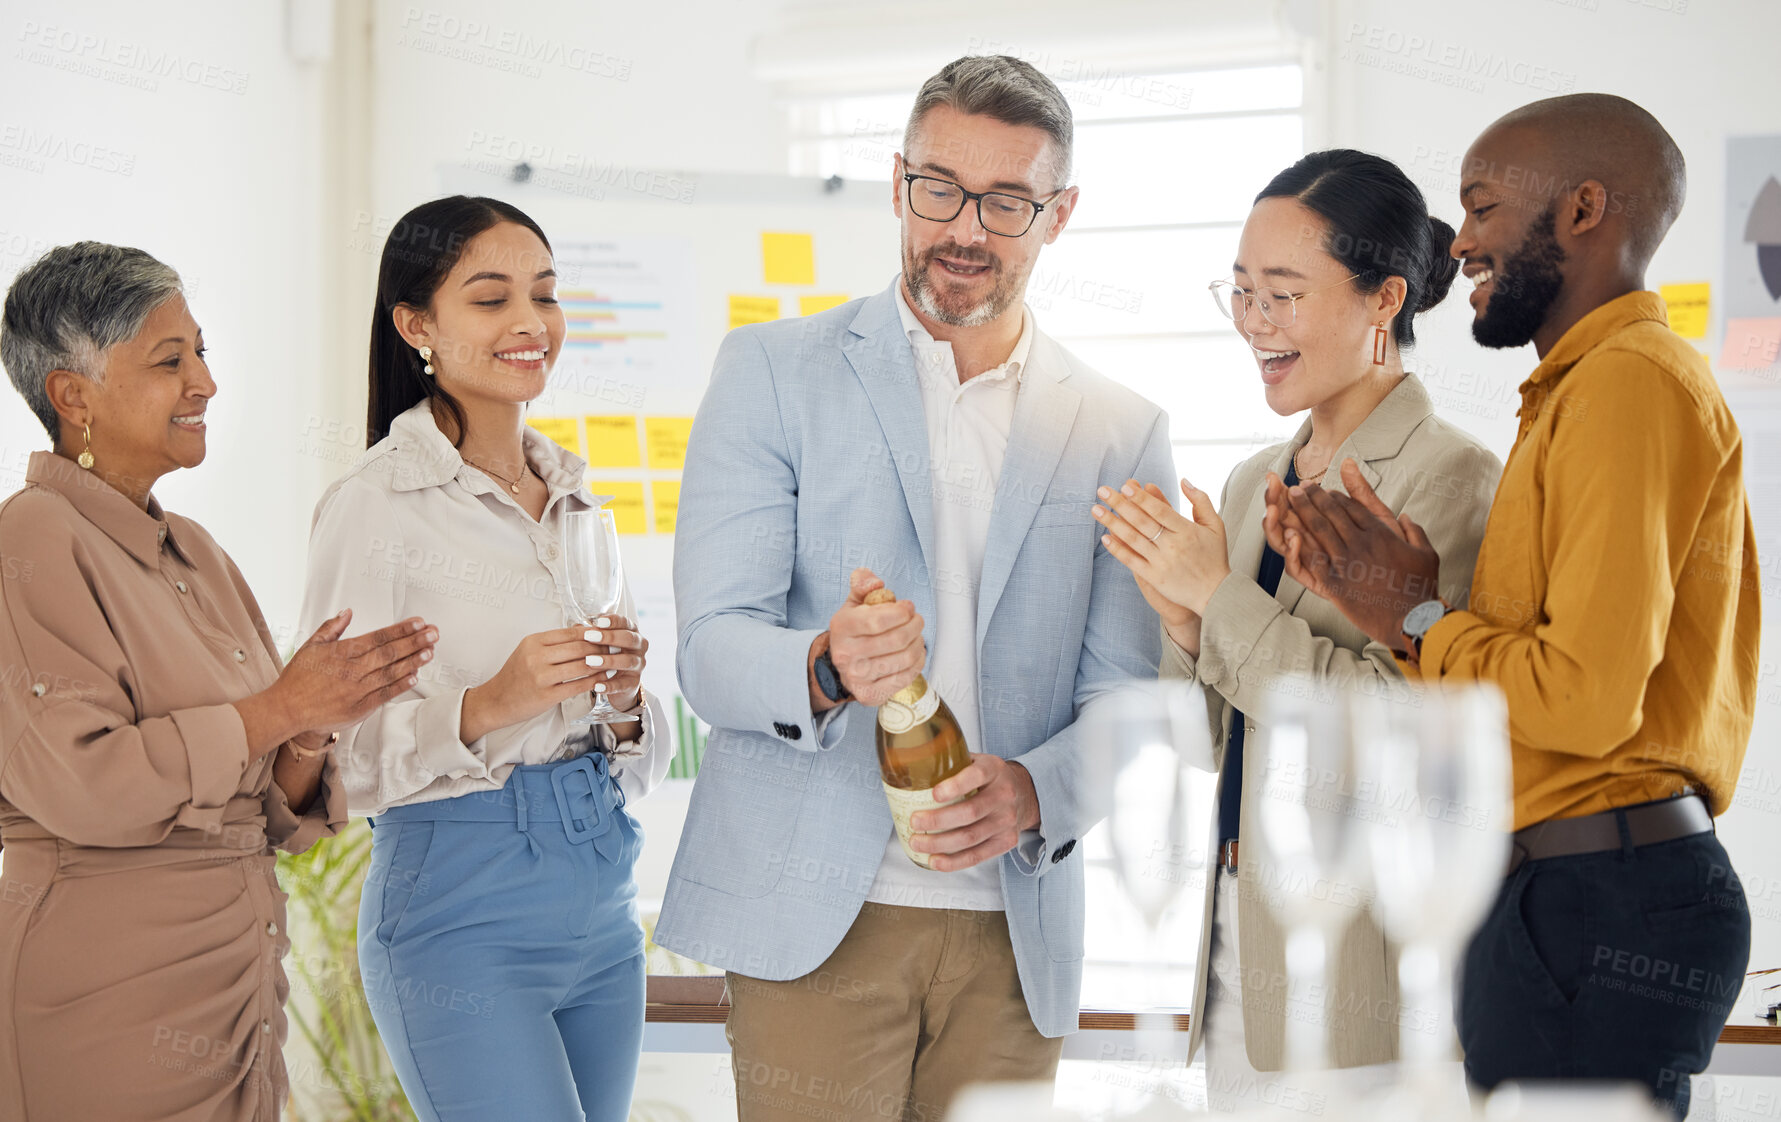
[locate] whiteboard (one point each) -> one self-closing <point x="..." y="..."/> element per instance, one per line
<point x="693" y="241"/>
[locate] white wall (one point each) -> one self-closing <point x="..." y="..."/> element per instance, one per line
<point x="248" y="195"/>
<point x="1392" y="86"/>
<point x="639" y="85"/>
<point x="696" y="102"/>
<point x="212" y="167"/>
<point x="1706" y="71"/>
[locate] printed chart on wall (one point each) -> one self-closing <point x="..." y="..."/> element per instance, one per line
<point x="629" y="307"/>
<point x="1752" y="288"/>
<point x="622" y="395"/>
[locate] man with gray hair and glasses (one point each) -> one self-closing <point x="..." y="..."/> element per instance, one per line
<point x="932" y="439"/>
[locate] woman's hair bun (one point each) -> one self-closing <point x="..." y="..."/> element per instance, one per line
<point x="1378" y="227"/>
<point x="1442" y="265"/>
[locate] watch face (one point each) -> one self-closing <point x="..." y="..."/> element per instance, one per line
<point x="1424" y="616"/>
<point x="828" y="678"/>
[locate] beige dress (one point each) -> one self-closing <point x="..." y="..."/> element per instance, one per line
<point x="141" y="926"/>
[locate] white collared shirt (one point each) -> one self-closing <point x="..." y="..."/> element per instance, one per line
<point x="968" y="428"/>
<point x="412" y="530"/>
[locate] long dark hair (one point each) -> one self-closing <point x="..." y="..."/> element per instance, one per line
<point x="421" y="251"/>
<point x="1379" y="226"/>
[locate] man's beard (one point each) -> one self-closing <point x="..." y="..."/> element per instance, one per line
<point x="954" y="309"/>
<point x="1526" y="285"/>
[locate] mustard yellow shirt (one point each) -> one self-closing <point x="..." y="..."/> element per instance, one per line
<point x="1616" y="599"/>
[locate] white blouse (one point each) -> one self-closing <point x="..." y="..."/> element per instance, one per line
<point x="412" y="530"/>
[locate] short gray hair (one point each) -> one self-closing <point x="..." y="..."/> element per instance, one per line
<point x="1007" y="89"/>
<point x="69" y="307"/>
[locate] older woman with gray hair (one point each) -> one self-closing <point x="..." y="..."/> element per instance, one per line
<point x="154" y="749"/>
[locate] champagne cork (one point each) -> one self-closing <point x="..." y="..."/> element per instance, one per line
<point x="880" y="596"/>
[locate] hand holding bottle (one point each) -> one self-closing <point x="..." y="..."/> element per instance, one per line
<point x="876" y="648"/>
<point x="952" y="808"/>
<point x="961" y="832"/>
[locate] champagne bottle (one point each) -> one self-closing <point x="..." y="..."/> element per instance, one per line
<point x="919" y="744"/>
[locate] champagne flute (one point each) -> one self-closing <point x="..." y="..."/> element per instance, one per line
<point x="1311" y="833"/>
<point x="1440" y="762"/>
<point x="1147" y="815"/>
<point x="1140" y="740"/>
<point x="595" y="586"/>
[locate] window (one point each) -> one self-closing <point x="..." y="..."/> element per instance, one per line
<point x="1169" y="162"/>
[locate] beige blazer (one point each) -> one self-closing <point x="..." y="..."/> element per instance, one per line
<point x="1445" y="479"/>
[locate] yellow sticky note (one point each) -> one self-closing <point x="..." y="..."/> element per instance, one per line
<point x="667" y="438"/>
<point x="612" y="442"/>
<point x="667" y="497"/>
<point x="560" y="429"/>
<point x="810" y="305"/>
<point x="789" y="258"/>
<point x="1688" y="308"/>
<point x="626" y="504"/>
<point x="752" y="309"/>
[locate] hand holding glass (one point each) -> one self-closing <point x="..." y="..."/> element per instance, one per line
<point x="595" y="586"/>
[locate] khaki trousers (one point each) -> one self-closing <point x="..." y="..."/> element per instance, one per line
<point x="913" y="1005"/>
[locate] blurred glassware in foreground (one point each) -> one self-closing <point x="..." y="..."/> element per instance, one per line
<point x="1315" y="846"/>
<point x="1139" y="740"/>
<point x="1438" y="768"/>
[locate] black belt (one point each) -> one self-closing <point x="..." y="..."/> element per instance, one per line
<point x="1620" y="828"/>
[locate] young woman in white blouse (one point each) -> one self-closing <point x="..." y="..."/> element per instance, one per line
<point x="498" y="933"/>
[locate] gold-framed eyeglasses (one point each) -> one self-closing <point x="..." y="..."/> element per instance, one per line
<point x="1278" y="306"/>
<point x="941" y="200"/>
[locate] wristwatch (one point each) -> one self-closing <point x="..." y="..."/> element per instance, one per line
<point x="828" y="679"/>
<point x="1422" y="617"/>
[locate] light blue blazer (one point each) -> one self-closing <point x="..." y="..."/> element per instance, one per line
<point x="809" y="458"/>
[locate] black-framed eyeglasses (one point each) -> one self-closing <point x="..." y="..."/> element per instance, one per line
<point x="941" y="200"/>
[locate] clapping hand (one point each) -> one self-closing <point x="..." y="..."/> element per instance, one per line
<point x="1178" y="560"/>
<point x="332" y="682"/>
<point x="1353" y="551"/>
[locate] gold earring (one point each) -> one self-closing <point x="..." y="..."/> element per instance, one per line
<point x="85" y="459"/>
<point x="427" y="357"/>
<point x="1379" y="339"/>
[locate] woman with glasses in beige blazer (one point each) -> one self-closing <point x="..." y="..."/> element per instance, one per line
<point x="1337" y="257"/>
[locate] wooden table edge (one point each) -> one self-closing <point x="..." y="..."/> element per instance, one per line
<point x="699" y="1000"/>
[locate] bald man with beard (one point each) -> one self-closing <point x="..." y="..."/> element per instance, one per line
<point x="1615" y="603"/>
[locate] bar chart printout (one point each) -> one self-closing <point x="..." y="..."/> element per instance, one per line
<point x="628" y="308"/>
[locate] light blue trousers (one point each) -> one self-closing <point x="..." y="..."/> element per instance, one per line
<point x="501" y="952"/>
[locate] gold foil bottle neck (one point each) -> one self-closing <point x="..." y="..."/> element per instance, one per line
<point x="911" y="693"/>
<point x="905" y="702"/>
